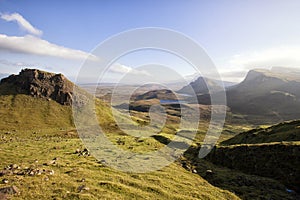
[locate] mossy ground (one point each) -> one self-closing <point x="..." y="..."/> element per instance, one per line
<point x="37" y="149"/>
<point x="34" y="132"/>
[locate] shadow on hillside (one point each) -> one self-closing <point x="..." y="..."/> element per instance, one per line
<point x="244" y="185"/>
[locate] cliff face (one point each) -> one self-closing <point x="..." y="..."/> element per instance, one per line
<point x="42" y="84"/>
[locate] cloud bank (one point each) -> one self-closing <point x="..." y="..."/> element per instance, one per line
<point x="23" y="23"/>
<point x="33" y="45"/>
<point x="287" y="56"/>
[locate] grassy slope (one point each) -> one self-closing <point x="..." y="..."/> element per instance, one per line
<point x="34" y="131"/>
<point x="287" y="131"/>
<point x="270" y="152"/>
<point x="24" y="112"/>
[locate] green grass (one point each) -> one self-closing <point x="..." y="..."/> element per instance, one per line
<point x="286" y="131"/>
<point x="33" y="149"/>
<point x="246" y="185"/>
<point x="34" y="131"/>
<point x="22" y="112"/>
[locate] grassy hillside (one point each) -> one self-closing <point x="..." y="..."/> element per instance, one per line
<point x="23" y="112"/>
<point x="38" y="136"/>
<point x="272" y="152"/>
<point x="286" y="131"/>
<point x="246" y="186"/>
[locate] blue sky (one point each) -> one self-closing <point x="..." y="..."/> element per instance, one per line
<point x="237" y="35"/>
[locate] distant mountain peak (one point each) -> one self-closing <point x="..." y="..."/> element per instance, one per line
<point x="284" y="73"/>
<point x="41" y="84"/>
<point x="200" y="86"/>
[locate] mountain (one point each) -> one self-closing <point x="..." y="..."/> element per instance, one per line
<point x="199" y="86"/>
<point x="267" y="93"/>
<point x="265" y="96"/>
<point x="36" y="99"/>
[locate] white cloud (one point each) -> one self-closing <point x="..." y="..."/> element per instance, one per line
<point x="287" y="56"/>
<point x="23" y="23"/>
<point x="122" y="69"/>
<point x="33" y="45"/>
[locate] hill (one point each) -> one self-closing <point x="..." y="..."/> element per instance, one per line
<point x="269" y="152"/>
<point x="40" y="84"/>
<point x="286" y="131"/>
<point x="199" y="86"/>
<point x="43" y="158"/>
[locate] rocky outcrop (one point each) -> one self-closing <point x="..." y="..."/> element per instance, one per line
<point x="42" y="84"/>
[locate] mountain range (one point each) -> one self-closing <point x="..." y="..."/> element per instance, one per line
<point x="272" y="95"/>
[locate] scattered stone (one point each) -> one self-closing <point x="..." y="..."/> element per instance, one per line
<point x="14" y="166"/>
<point x="5" y="181"/>
<point x="77" y="151"/>
<point x="82" y="180"/>
<point x="194" y="171"/>
<point x="51" y="172"/>
<point x="46" y="178"/>
<point x="31" y="173"/>
<point x="10" y="190"/>
<point x="81" y="188"/>
<point x="103" y="161"/>
<point x="51" y="162"/>
<point x="84" y="152"/>
<point x="209" y="172"/>
<point x="4" y="172"/>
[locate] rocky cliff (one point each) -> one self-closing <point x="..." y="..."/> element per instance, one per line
<point x="41" y="84"/>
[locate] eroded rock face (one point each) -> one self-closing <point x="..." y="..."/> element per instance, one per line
<point x="43" y="85"/>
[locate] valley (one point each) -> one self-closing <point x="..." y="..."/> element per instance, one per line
<point x="43" y="156"/>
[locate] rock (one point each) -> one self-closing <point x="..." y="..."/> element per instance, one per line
<point x="14" y="166"/>
<point x="10" y="190"/>
<point x="84" y="152"/>
<point x="209" y="172"/>
<point x="194" y="171"/>
<point x="82" y="180"/>
<point x="46" y="178"/>
<point x="4" y="172"/>
<point x="80" y="188"/>
<point x="5" y="181"/>
<point x="77" y="151"/>
<point x="51" y="172"/>
<point x="42" y="84"/>
<point x="51" y="162"/>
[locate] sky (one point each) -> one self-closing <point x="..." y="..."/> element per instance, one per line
<point x="58" y="36"/>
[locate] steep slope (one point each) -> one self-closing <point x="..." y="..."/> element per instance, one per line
<point x="267" y="93"/>
<point x="36" y="99"/>
<point x="286" y="131"/>
<point x="272" y="152"/>
<point x="40" y="84"/>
